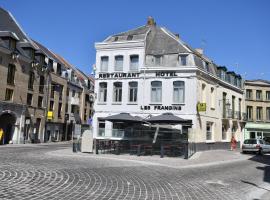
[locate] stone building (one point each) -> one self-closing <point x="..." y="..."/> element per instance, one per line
<point x="34" y="89"/>
<point x="257" y="109"/>
<point x="149" y="71"/>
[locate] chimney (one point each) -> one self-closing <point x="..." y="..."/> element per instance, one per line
<point x="177" y="35"/>
<point x="151" y="21"/>
<point x="199" y="50"/>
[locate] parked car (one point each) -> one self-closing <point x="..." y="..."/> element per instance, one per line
<point x="258" y="146"/>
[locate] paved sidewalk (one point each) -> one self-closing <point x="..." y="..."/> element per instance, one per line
<point x="200" y="159"/>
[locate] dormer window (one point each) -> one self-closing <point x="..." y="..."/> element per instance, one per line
<point x="58" y="69"/>
<point x="206" y="66"/>
<point x="41" y="59"/>
<point x="158" y="60"/>
<point x="9" y="43"/>
<point x="129" y="37"/>
<point x="30" y="53"/>
<point x="183" y="60"/>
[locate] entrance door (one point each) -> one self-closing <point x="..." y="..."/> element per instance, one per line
<point x="252" y="135"/>
<point x="7" y="122"/>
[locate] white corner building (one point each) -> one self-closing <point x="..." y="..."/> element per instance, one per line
<point x="149" y="71"/>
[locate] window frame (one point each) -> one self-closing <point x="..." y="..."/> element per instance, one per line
<point x="134" y="91"/>
<point x="101" y="64"/>
<point x="105" y="92"/>
<point x="11" y="74"/>
<point x="156" y="89"/>
<point x="130" y="63"/>
<point x="115" y="61"/>
<point x="260" y="113"/>
<point x="117" y="92"/>
<point x="181" y="87"/>
<point x="9" y="93"/>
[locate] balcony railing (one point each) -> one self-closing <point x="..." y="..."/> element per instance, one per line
<point x="230" y="114"/>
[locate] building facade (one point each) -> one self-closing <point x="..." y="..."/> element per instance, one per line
<point x="257" y="109"/>
<point x="149" y="71"/>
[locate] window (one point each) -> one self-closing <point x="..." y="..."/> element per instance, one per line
<point x="41" y="84"/>
<point x="67" y="94"/>
<point x="29" y="99"/>
<point x="156" y="91"/>
<point x="267" y="95"/>
<point x="30" y="53"/>
<point x="183" y="60"/>
<point x="178" y="92"/>
<point x="206" y="65"/>
<point x="133" y="90"/>
<point x="51" y="105"/>
<point x="9" y="95"/>
<point x="224" y="133"/>
<point x="60" y="91"/>
<point x="104" y="63"/>
<point x="40" y="99"/>
<point x="101" y="128"/>
<point x="259" y="113"/>
<point x="158" y="60"/>
<point x="117" y="92"/>
<point x="119" y="63"/>
<point x="102" y="92"/>
<point x="134" y="62"/>
<point x="223" y="75"/>
<point x="268" y="113"/>
<point x="11" y="74"/>
<point x="203" y="93"/>
<point x="58" y="69"/>
<point x="248" y="94"/>
<point x="73" y="93"/>
<point x="249" y="113"/>
<point x="59" y="110"/>
<point x="258" y="95"/>
<point x="209" y="134"/>
<point x="213" y="98"/>
<point x="31" y="80"/>
<point x="66" y="108"/>
<point x="52" y="91"/>
<point x="129" y="37"/>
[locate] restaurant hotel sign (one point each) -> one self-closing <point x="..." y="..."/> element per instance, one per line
<point x="135" y="74"/>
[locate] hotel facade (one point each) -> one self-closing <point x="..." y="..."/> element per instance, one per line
<point x="149" y="71"/>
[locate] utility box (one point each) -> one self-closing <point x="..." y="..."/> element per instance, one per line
<point x="87" y="142"/>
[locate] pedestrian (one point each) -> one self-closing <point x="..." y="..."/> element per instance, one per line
<point x="233" y="143"/>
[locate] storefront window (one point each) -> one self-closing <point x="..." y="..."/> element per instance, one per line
<point x="178" y="91"/>
<point x="156" y="91"/>
<point x="101" y="128"/>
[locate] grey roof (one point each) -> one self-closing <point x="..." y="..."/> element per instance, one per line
<point x="158" y="40"/>
<point x="9" y="34"/>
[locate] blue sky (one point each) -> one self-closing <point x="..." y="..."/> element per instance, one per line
<point x="234" y="33"/>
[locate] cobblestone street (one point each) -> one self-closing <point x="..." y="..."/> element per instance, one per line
<point x="34" y="172"/>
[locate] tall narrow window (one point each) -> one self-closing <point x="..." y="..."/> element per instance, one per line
<point x="101" y="128"/>
<point x="203" y="93"/>
<point x="213" y="98"/>
<point x="31" y="80"/>
<point x="268" y="113"/>
<point x="102" y="97"/>
<point x="134" y="62"/>
<point x="59" y="110"/>
<point x="133" y="90"/>
<point x="259" y="113"/>
<point x="258" y="95"/>
<point x="9" y="95"/>
<point x="178" y="92"/>
<point x="119" y="63"/>
<point x="267" y="95"/>
<point x="209" y="129"/>
<point x="52" y="91"/>
<point x="249" y="94"/>
<point x="41" y="84"/>
<point x="156" y="91"/>
<point x="233" y="107"/>
<point x="40" y="99"/>
<point x="51" y="105"/>
<point x="11" y="74"/>
<point x="104" y="63"/>
<point x="249" y="113"/>
<point x="29" y="99"/>
<point x="183" y="60"/>
<point x="117" y="92"/>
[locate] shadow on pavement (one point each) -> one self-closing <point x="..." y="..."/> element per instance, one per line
<point x="265" y="159"/>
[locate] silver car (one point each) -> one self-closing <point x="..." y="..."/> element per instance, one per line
<point x="256" y="145"/>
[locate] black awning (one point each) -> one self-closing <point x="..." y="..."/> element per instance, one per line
<point x="124" y="117"/>
<point x="169" y="118"/>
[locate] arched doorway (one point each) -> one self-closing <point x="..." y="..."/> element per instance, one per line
<point x="7" y="122"/>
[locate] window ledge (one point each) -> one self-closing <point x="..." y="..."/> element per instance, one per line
<point x="102" y="103"/>
<point x="132" y="103"/>
<point x="178" y="104"/>
<point x="116" y="103"/>
<point x="155" y="103"/>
